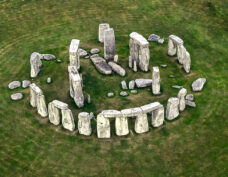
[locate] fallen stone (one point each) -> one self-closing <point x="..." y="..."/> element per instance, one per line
<point x="171" y="76"/>
<point x="59" y="61"/>
<point x="17" y="96"/>
<point x="25" y="83"/>
<point x="134" y="91"/>
<point x="141" y="83"/>
<point x="190" y="103"/>
<point x="124" y="85"/>
<point x="87" y="57"/>
<point x="123" y="93"/>
<point x="132" y="84"/>
<point x="117" y="68"/>
<point x="163" y="66"/>
<point x="177" y="87"/>
<point x="181" y="96"/>
<point x="14" y="84"/>
<point x="172" y="109"/>
<point x="190" y="97"/>
<point x="161" y="41"/>
<point x="94" y="51"/>
<point x="48" y="56"/>
<point x="198" y="84"/>
<point x="82" y="52"/>
<point x="153" y="37"/>
<point x="101" y="65"/>
<point x="110" y="94"/>
<point x="49" y="80"/>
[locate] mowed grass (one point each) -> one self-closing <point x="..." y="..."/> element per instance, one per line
<point x="193" y="145"/>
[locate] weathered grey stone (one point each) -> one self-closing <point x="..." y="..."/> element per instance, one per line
<point x="141" y="124"/>
<point x="181" y="52"/>
<point x="88" y="99"/>
<point x="109" y="44"/>
<point x="48" y="56"/>
<point x="163" y="66"/>
<point x="134" y="91"/>
<point x="110" y="94"/>
<point x="94" y="51"/>
<point x="156" y="81"/>
<point x="141" y="83"/>
<point x="102" y="28"/>
<point x="101" y="65"/>
<point x="87" y="56"/>
<point x="123" y="93"/>
<point x="150" y="107"/>
<point x="177" y="86"/>
<point x="190" y="97"/>
<point x="14" y="84"/>
<point x="172" y="109"/>
<point x="131" y="112"/>
<point x="161" y="41"/>
<point x="103" y="127"/>
<point x="117" y="68"/>
<point x="139" y="51"/>
<point x="60" y="104"/>
<point x="49" y="80"/>
<point x="153" y="37"/>
<point x="35" y="63"/>
<point x="130" y="62"/>
<point x="111" y="113"/>
<point x="124" y="85"/>
<point x="84" y="123"/>
<point x="198" y="84"/>
<point x="116" y="58"/>
<point x="25" y="83"/>
<point x="176" y="39"/>
<point x="135" y="66"/>
<point x="68" y="119"/>
<point x="74" y="53"/>
<point x="190" y="103"/>
<point x="41" y="106"/>
<point x="121" y="125"/>
<point x="157" y="116"/>
<point x="54" y="114"/>
<point x="82" y="53"/>
<point x="17" y="96"/>
<point x="181" y="96"/>
<point x="34" y="93"/>
<point x="187" y="62"/>
<point x="132" y="84"/>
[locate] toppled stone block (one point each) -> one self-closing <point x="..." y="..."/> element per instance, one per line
<point x="198" y="84"/>
<point x="117" y="68"/>
<point x="190" y="103"/>
<point x="141" y="83"/>
<point x="16" y="96"/>
<point x="25" y="83"/>
<point x="14" y="84"/>
<point x="101" y="65"/>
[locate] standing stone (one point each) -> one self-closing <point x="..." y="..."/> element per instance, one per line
<point x="135" y="66"/>
<point x="109" y="44"/>
<point x="54" y="114"/>
<point x="132" y="84"/>
<point x="103" y="127"/>
<point x="130" y="62"/>
<point x="141" y="123"/>
<point x="156" y="81"/>
<point x="68" y="119"/>
<point x="124" y="85"/>
<point x="172" y="110"/>
<point x="49" y="80"/>
<point x="158" y="116"/>
<point x="35" y="62"/>
<point x="41" y="106"/>
<point x="181" y="51"/>
<point x="102" y="28"/>
<point x="74" y="53"/>
<point x="187" y="62"/>
<point x="25" y="83"/>
<point x="174" y="41"/>
<point x="116" y="58"/>
<point x="198" y="84"/>
<point x="88" y="99"/>
<point x="181" y="96"/>
<point x="34" y="92"/>
<point x="121" y="125"/>
<point x="84" y="123"/>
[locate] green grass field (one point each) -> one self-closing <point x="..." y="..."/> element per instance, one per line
<point x="196" y="144"/>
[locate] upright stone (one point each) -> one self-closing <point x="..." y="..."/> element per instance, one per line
<point x="109" y="44"/>
<point x="74" y="53"/>
<point x="158" y="116"/>
<point x="41" y="106"/>
<point x="33" y="102"/>
<point x="181" y="96"/>
<point x="54" y="114"/>
<point x="103" y="127"/>
<point x="84" y="123"/>
<point x="172" y="110"/>
<point x="141" y="123"/>
<point x="130" y="62"/>
<point x="68" y="119"/>
<point x="181" y="51"/>
<point x="121" y="125"/>
<point x="174" y="41"/>
<point x="102" y="28"/>
<point x="156" y="81"/>
<point x="187" y="62"/>
<point x="35" y="63"/>
<point x="135" y="66"/>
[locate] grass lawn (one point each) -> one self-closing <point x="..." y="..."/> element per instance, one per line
<point x="196" y="144"/>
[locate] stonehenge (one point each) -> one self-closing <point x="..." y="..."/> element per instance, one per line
<point x="156" y="81"/>
<point x="139" y="52"/>
<point x="76" y="86"/>
<point x="84" y="124"/>
<point x="102" y="28"/>
<point x="109" y="44"/>
<point x="74" y="53"/>
<point x="176" y="46"/>
<point x="37" y="100"/>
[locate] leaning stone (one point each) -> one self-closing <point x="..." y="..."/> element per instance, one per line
<point x="117" y="68"/>
<point x="84" y="124"/>
<point x="17" y="96"/>
<point x="101" y="65"/>
<point x="172" y="109"/>
<point x="153" y="37"/>
<point x="94" y="51"/>
<point x="132" y="84"/>
<point x="177" y="87"/>
<point x="14" y="84"/>
<point x="41" y="106"/>
<point x="181" y="96"/>
<point x="141" y="124"/>
<point x="198" y="84"/>
<point x="156" y="81"/>
<point x="150" y="107"/>
<point x="49" y="80"/>
<point x="158" y="116"/>
<point x="102" y="28"/>
<point x="161" y="41"/>
<point x="48" y="56"/>
<point x="123" y="93"/>
<point x="190" y="103"/>
<point x="82" y="53"/>
<point x="68" y="119"/>
<point x="134" y="91"/>
<point x="124" y="85"/>
<point x="110" y="94"/>
<point x="190" y="97"/>
<point x="121" y="125"/>
<point x="103" y="127"/>
<point x="25" y="83"/>
<point x="54" y="114"/>
<point x="141" y="83"/>
<point x="109" y="44"/>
